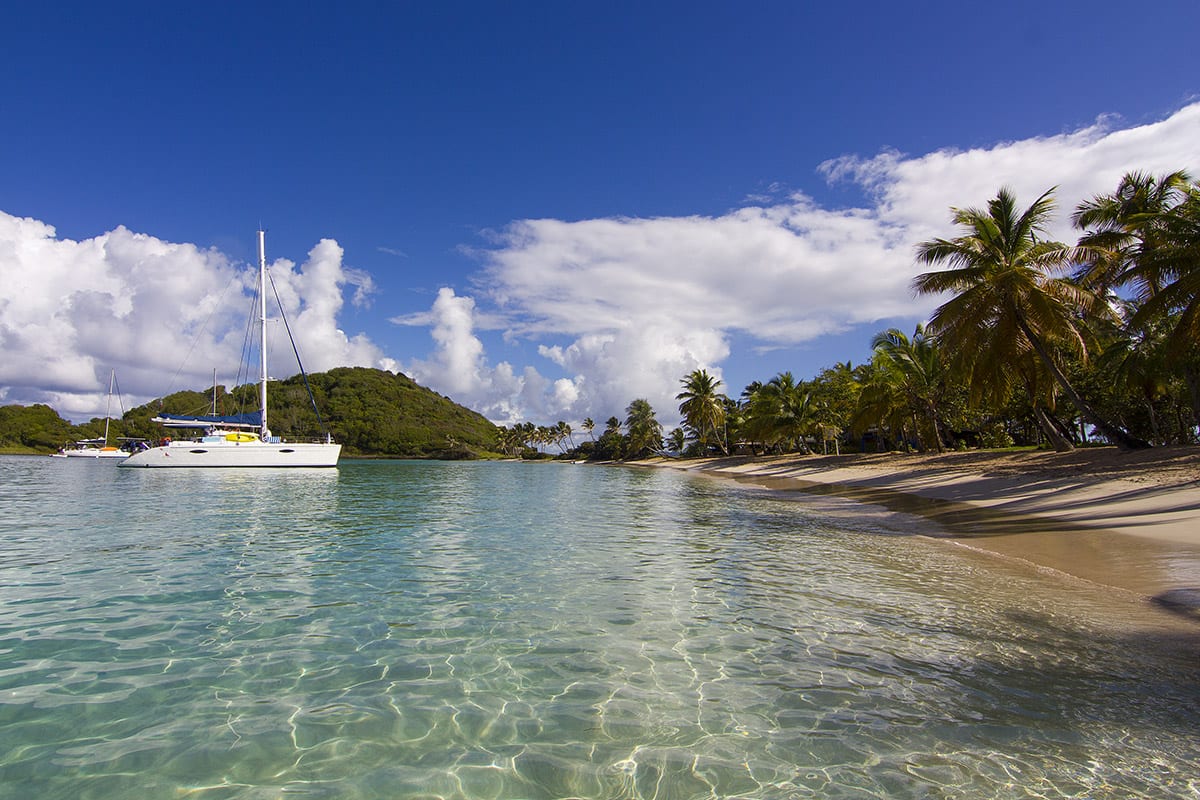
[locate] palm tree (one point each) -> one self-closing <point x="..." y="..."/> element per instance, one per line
<point x="751" y="389"/>
<point x="563" y="431"/>
<point x="917" y="364"/>
<point x="1146" y="236"/>
<point x="1140" y="362"/>
<point x="782" y="410"/>
<point x="611" y="444"/>
<point x="757" y="418"/>
<point x="544" y="436"/>
<point x="589" y="425"/>
<point x="1179" y="260"/>
<point x="733" y="429"/>
<point x="645" y="432"/>
<point x="528" y="433"/>
<point x="837" y="389"/>
<point x="510" y="440"/>
<point x="882" y="402"/>
<point x="703" y="408"/>
<point x="1007" y="300"/>
<point x="1128" y="228"/>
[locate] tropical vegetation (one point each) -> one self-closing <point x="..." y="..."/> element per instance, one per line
<point x="703" y="409"/>
<point x="1036" y="343"/>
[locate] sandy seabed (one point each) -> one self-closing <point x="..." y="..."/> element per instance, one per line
<point x="1128" y="520"/>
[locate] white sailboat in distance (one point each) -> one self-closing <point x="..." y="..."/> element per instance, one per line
<point x="97" y="448"/>
<point x="243" y="440"/>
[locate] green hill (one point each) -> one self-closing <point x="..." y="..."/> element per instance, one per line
<point x="36" y="429"/>
<point x="371" y="412"/>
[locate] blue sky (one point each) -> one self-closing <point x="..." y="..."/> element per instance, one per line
<point x="542" y="210"/>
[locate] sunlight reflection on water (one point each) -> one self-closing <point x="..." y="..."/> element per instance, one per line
<point x="519" y="630"/>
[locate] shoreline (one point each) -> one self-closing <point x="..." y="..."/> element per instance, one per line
<point x="1126" y="520"/>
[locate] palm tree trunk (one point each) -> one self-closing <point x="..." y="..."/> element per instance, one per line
<point x="1121" y="438"/>
<point x="916" y="423"/>
<point x="1193" y="383"/>
<point x="931" y="410"/>
<point x="1061" y="443"/>
<point x="1154" y="429"/>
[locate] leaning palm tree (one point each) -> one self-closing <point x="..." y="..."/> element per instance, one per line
<point x="528" y="434"/>
<point x="543" y="437"/>
<point x="703" y="408"/>
<point x="1007" y="299"/>
<point x="564" y="432"/>
<point x="510" y="440"/>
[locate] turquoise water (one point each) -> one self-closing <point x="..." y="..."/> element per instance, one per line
<point x="481" y="630"/>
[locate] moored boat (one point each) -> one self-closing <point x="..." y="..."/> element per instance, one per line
<point x="99" y="447"/>
<point x="242" y="440"/>
<point x="91" y="448"/>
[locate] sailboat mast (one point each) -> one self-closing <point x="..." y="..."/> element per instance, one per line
<point x="262" y="316"/>
<point x="112" y="379"/>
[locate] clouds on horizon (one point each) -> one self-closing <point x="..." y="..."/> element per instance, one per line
<point x="620" y="308"/>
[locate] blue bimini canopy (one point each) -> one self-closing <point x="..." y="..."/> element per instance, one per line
<point x="250" y="420"/>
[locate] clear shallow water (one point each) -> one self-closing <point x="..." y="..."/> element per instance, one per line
<point x="403" y="629"/>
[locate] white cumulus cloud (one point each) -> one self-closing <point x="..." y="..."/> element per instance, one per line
<point x="458" y="366"/>
<point x="163" y="315"/>
<point x="627" y="306"/>
<point x="312" y="298"/>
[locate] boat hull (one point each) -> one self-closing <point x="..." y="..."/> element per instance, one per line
<point x="95" y="454"/>
<point x="236" y="454"/>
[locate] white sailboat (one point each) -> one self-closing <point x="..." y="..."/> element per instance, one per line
<point x="97" y="448"/>
<point x="243" y="440"/>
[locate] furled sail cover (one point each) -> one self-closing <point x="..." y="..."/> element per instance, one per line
<point x="250" y="420"/>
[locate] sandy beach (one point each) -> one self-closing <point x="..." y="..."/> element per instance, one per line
<point x="1129" y="520"/>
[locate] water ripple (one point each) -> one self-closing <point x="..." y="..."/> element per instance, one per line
<point x="544" y="631"/>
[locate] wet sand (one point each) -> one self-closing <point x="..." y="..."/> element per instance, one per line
<point x="1126" y="520"/>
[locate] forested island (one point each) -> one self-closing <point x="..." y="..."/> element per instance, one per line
<point x="372" y="413"/>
